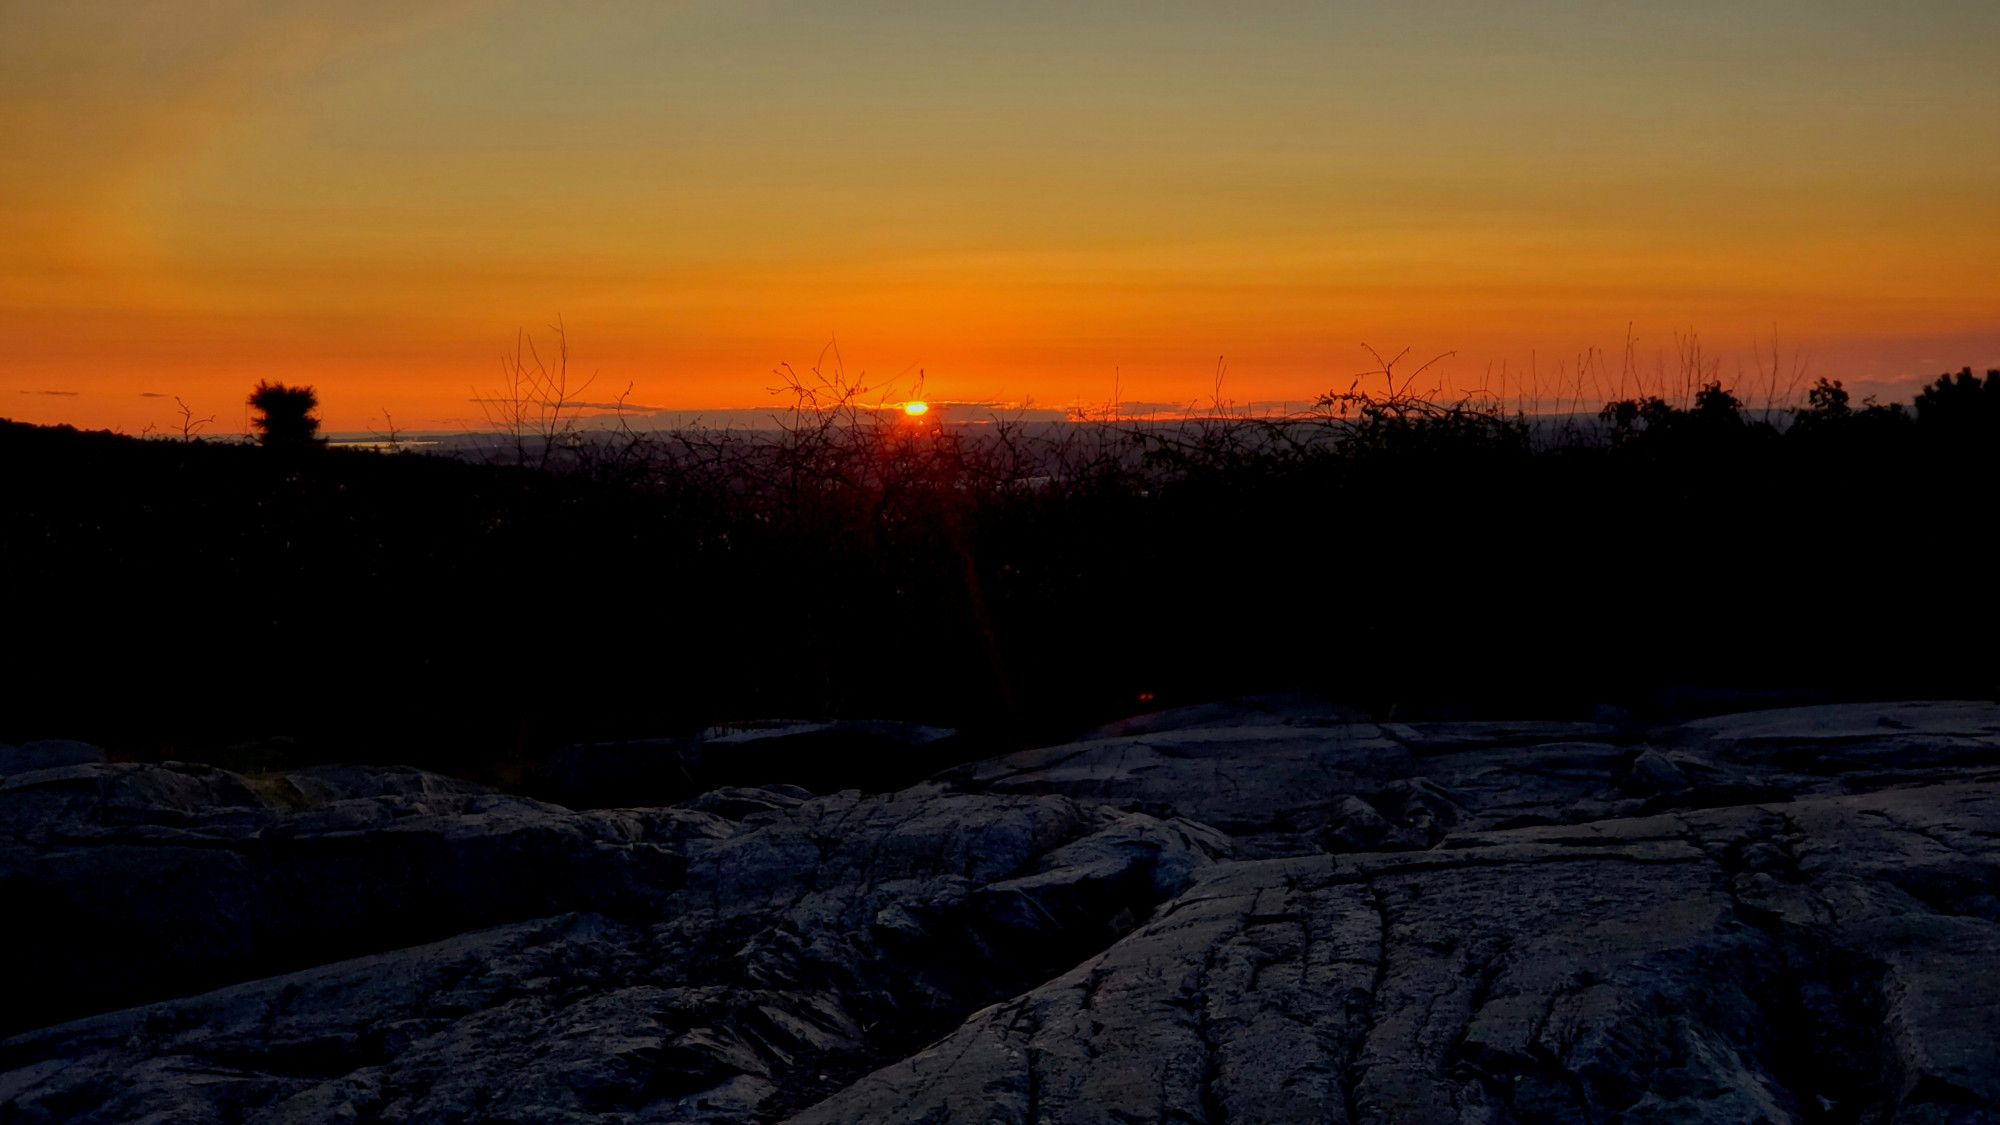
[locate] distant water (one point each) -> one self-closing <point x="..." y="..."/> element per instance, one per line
<point x="384" y="446"/>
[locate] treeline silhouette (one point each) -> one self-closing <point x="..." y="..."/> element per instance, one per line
<point x="1404" y="555"/>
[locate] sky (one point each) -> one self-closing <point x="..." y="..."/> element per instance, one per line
<point x="1056" y="203"/>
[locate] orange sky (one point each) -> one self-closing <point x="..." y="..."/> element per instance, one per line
<point x="1020" y="199"/>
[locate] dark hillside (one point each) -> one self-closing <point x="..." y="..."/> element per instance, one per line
<point x="182" y="597"/>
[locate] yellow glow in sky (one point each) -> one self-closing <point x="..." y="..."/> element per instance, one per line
<point x="1024" y="200"/>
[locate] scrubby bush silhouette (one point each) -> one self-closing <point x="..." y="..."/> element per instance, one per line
<point x="1717" y="409"/>
<point x="285" y="417"/>
<point x="1632" y="417"/>
<point x="1829" y="415"/>
<point x="1383" y="547"/>
<point x="1961" y="405"/>
<point x="1369" y="426"/>
<point x="1400" y="424"/>
<point x="1828" y="398"/>
<point x="1714" y="421"/>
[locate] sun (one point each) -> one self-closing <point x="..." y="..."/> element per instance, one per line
<point x="913" y="409"/>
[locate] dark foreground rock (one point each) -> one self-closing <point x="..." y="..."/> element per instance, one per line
<point x="1783" y="916"/>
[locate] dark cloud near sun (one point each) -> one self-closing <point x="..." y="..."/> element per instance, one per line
<point x="627" y="407"/>
<point x="1127" y="407"/>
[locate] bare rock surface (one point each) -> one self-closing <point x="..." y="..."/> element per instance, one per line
<point x="1783" y="916"/>
<point x="50" y="754"/>
<point x="146" y="881"/>
<point x="1739" y="964"/>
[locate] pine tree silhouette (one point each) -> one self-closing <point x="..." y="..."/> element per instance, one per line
<point x="285" y="415"/>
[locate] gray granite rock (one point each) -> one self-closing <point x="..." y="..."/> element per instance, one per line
<point x="1791" y="915"/>
<point x="793" y="955"/>
<point x="47" y="754"/>
<point x="1725" y="965"/>
<point x="214" y="879"/>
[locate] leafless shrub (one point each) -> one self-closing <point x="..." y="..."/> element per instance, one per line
<point x="535" y="408"/>
<point x="191" y="425"/>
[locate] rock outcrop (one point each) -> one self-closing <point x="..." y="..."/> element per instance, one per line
<point x="1789" y="915"/>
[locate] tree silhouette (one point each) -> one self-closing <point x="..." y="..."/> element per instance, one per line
<point x="1716" y="409"/>
<point x="1965" y="405"/>
<point x="285" y="415"/>
<point x="1828" y="397"/>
